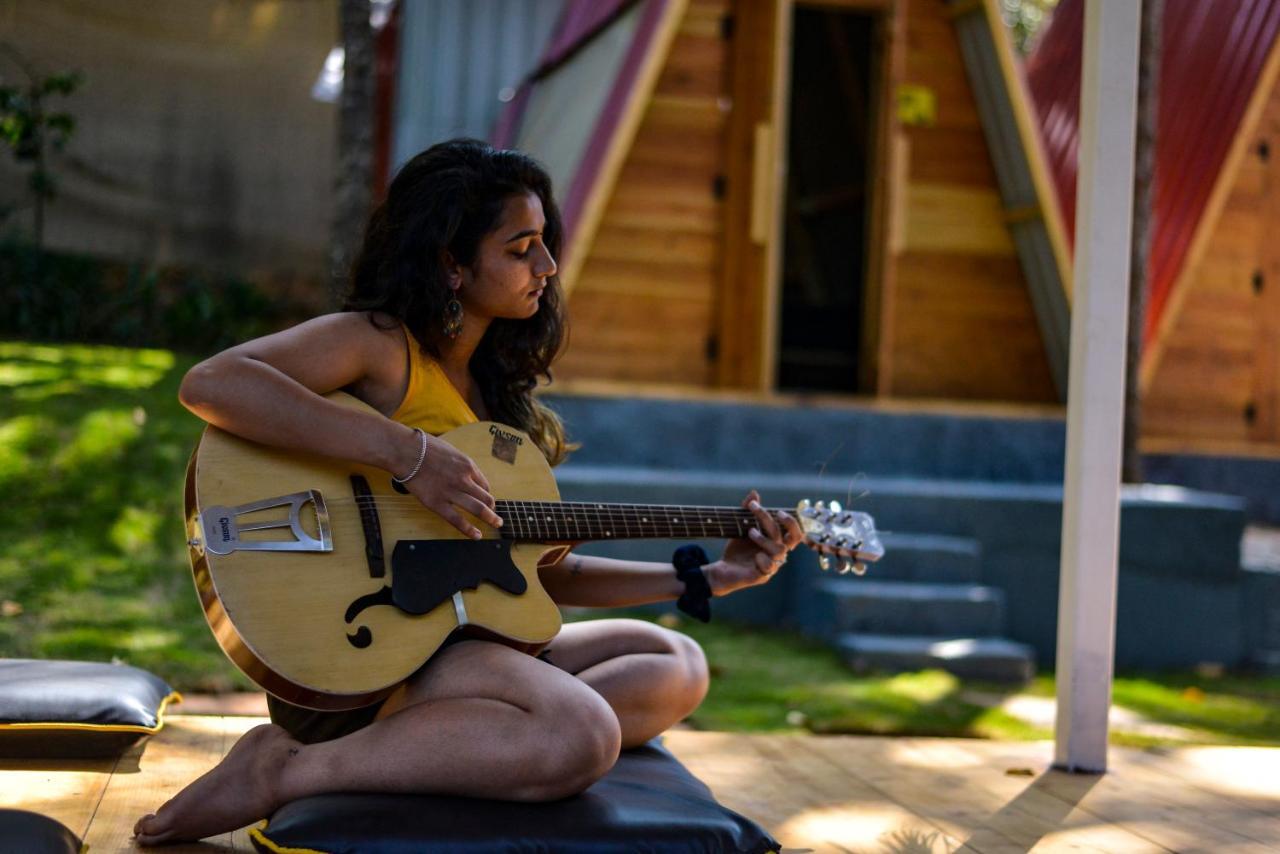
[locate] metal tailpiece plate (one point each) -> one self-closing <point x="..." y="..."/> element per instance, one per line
<point x="222" y="528"/>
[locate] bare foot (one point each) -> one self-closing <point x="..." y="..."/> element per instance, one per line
<point x="241" y="789"/>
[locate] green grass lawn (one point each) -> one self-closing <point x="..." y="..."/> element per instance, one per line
<point x="93" y="445"/>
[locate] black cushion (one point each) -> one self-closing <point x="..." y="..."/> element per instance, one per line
<point x="76" y="709"/>
<point x="32" y="833"/>
<point x="648" y="802"/>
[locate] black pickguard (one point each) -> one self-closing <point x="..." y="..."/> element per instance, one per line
<point x="426" y="573"/>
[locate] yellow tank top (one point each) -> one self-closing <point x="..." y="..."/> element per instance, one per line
<point x="431" y="402"/>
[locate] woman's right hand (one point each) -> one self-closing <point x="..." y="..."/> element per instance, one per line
<point x="448" y="482"/>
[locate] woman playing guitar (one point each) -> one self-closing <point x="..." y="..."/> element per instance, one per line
<point x="454" y="312"/>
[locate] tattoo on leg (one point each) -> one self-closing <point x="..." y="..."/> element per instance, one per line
<point x="293" y="751"/>
<point x="575" y="568"/>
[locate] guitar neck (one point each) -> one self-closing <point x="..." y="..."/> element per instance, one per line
<point x="572" y="521"/>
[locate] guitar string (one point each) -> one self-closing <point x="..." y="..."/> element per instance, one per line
<point x="542" y="531"/>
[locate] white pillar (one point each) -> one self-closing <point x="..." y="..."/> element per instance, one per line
<point x="1095" y="398"/>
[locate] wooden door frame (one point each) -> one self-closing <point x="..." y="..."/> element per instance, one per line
<point x="756" y="177"/>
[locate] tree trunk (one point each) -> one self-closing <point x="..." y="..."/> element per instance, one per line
<point x="1144" y="173"/>
<point x="352" y="192"/>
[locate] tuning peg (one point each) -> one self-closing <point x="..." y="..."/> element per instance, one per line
<point x="835" y="507"/>
<point x="859" y="568"/>
<point x="846" y="566"/>
<point x="824" y="562"/>
<point x="804" y="508"/>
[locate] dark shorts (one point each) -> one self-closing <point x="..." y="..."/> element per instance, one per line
<point x="310" y="726"/>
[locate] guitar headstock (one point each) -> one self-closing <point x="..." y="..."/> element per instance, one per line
<point x="848" y="535"/>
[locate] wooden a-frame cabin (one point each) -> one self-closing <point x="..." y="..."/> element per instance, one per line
<point x="856" y="197"/>
<point x="784" y="196"/>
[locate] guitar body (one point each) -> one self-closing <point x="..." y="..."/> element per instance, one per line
<point x="314" y="623"/>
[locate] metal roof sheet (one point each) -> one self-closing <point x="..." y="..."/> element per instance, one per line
<point x="1211" y="61"/>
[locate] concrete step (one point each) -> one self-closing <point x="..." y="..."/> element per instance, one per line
<point x="993" y="659"/>
<point x="909" y="608"/>
<point x="843" y="441"/>
<point x="929" y="557"/>
<point x="1192" y="581"/>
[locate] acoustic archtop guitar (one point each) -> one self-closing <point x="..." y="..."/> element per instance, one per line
<point x="328" y="585"/>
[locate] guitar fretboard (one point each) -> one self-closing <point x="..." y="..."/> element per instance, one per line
<point x="570" y="521"/>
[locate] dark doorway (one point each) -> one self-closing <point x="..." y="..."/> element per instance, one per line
<point x="824" y="267"/>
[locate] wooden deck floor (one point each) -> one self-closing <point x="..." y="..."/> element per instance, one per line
<point x="839" y="793"/>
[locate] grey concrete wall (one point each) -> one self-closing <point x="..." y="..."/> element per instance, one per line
<point x="198" y="141"/>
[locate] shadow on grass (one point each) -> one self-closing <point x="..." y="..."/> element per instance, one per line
<point x="93" y="444"/>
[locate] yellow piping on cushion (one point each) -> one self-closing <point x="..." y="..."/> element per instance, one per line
<point x="259" y="836"/>
<point x="173" y="697"/>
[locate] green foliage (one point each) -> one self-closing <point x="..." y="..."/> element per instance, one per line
<point x="70" y="297"/>
<point x="28" y="129"/>
<point x="93" y="443"/>
<point x="1025" y="19"/>
<point x="769" y="681"/>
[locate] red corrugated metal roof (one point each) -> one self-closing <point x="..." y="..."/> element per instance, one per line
<point x="1211" y="60"/>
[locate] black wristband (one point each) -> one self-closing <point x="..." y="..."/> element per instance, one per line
<point x="696" y="599"/>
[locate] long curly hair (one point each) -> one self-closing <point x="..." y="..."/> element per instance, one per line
<point x="447" y="199"/>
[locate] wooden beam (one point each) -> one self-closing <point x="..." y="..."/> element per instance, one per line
<point x="748" y="203"/>
<point x="892" y="195"/>
<point x="767" y="378"/>
<point x="1212" y="215"/>
<point x="1095" y="400"/>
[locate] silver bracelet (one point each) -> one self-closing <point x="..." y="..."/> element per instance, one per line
<point x="422" y="456"/>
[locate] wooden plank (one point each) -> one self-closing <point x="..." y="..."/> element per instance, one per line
<point x="66" y="790"/>
<point x="935" y="794"/>
<point x="1265" y="391"/>
<point x="696" y="64"/>
<point x="946" y="155"/>
<point x="1127" y="809"/>
<point x="656" y="247"/>
<point x="607" y="278"/>
<point x="187" y="747"/>
<point x="879" y="261"/>
<point x="966" y="329"/>
<point x="831" y="793"/>
<point x="1208" y="224"/>
<point x="896" y="166"/>
<point x="602" y="187"/>
<point x="804" y="800"/>
<point x="959" y="219"/>
<point x="754" y="63"/>
<point x="1224" y="447"/>
<point x="1022" y="811"/>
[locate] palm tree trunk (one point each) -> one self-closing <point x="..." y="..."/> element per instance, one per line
<point x="1144" y="173"/>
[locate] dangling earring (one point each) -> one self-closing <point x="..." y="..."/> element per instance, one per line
<point x="453" y="317"/>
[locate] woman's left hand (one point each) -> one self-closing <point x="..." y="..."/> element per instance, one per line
<point x="754" y="559"/>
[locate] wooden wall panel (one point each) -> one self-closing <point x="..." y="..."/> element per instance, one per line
<point x="1217" y="377"/>
<point x="962" y="324"/>
<point x="642" y="309"/>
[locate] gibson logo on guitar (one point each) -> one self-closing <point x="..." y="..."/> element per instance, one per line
<point x="294" y="585"/>
<point x="504" y="444"/>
